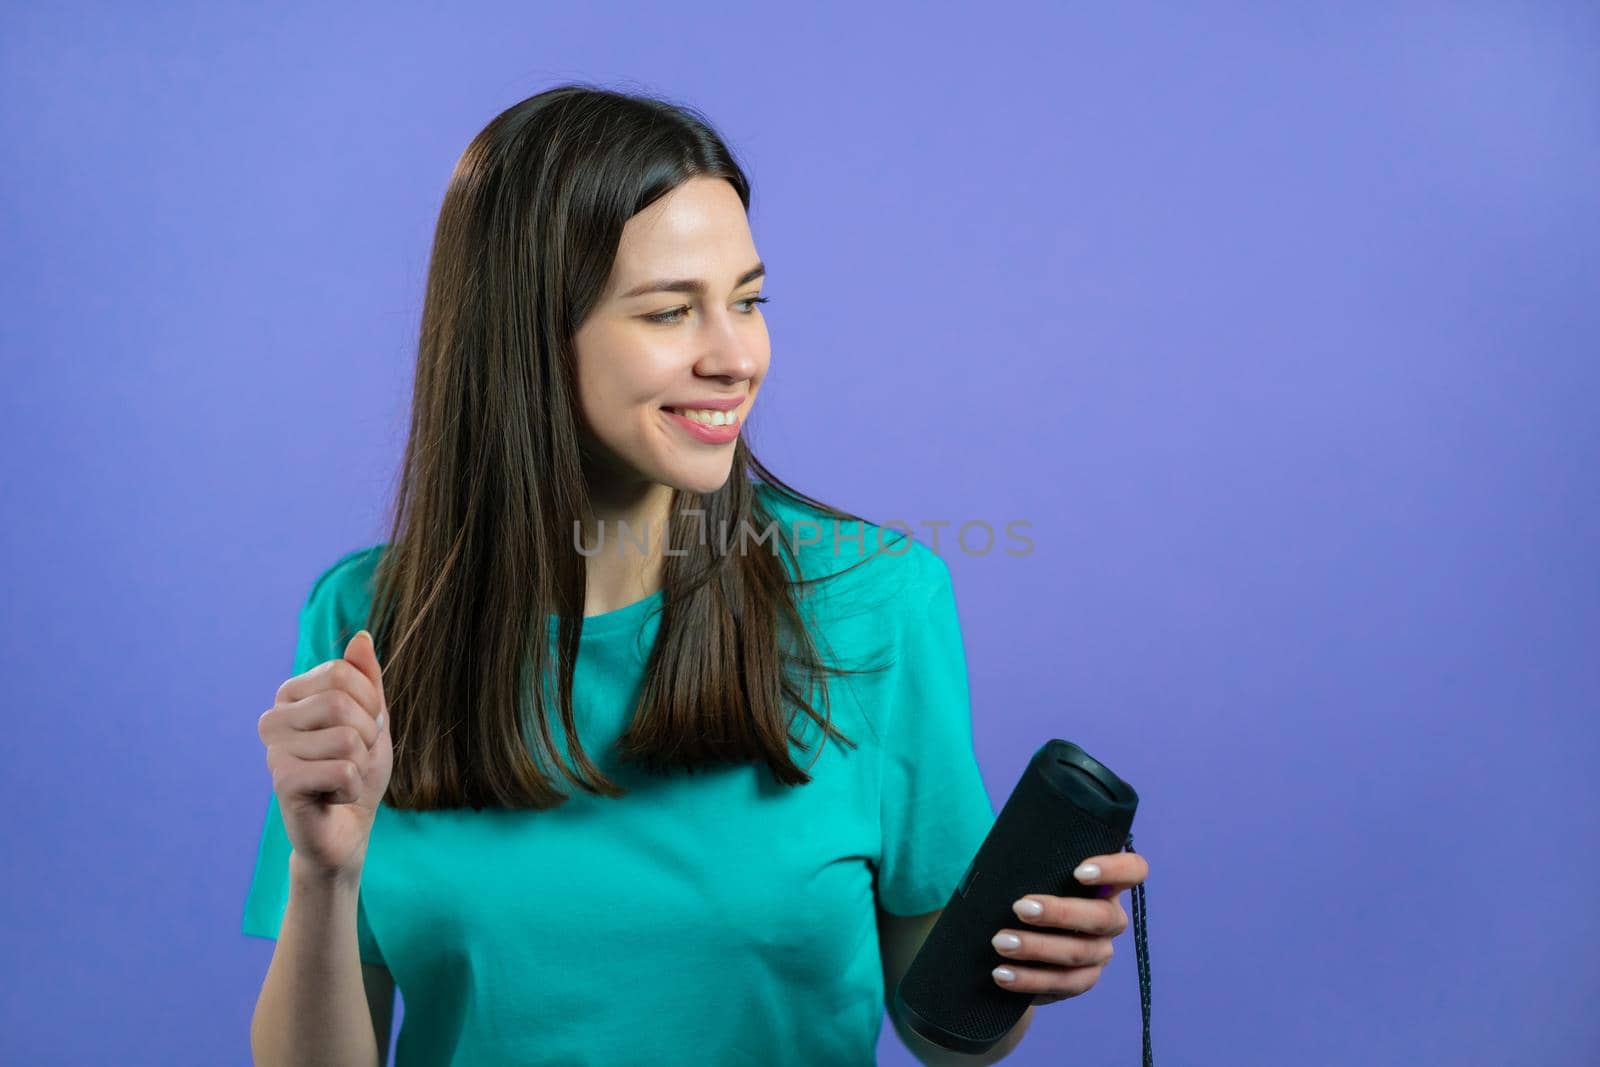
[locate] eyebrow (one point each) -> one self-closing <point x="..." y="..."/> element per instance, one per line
<point x="691" y="285"/>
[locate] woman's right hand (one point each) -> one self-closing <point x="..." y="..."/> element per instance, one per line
<point x="329" y="751"/>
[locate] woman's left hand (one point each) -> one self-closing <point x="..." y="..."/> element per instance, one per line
<point x="1066" y="957"/>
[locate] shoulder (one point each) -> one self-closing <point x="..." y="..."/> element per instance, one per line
<point x="866" y="567"/>
<point x="346" y="579"/>
<point x="337" y="604"/>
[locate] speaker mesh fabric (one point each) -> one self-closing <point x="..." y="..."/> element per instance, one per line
<point x="1037" y="841"/>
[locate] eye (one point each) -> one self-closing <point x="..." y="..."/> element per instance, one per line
<point x="673" y="315"/>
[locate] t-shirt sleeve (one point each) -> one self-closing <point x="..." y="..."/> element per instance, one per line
<point x="935" y="809"/>
<point x="321" y="627"/>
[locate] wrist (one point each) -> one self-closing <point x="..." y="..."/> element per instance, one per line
<point x="306" y="876"/>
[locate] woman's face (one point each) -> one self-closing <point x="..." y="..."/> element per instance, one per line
<point x="644" y="350"/>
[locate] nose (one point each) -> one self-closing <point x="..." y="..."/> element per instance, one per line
<point x="732" y="349"/>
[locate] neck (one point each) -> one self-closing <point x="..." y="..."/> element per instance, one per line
<point x="626" y="566"/>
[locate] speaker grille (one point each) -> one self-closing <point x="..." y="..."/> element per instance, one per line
<point x="1037" y="841"/>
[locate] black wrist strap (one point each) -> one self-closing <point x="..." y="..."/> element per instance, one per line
<point x="1142" y="953"/>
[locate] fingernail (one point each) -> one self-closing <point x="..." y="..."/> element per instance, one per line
<point x="1087" y="872"/>
<point x="1007" y="941"/>
<point x="1005" y="974"/>
<point x="1031" y="909"/>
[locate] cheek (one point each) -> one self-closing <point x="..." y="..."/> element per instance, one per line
<point x="616" y="380"/>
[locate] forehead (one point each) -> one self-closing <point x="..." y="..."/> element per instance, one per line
<point x="697" y="230"/>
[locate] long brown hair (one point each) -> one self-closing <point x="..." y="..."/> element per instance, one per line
<point x="480" y="552"/>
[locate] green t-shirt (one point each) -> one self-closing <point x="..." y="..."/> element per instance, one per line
<point x="712" y="919"/>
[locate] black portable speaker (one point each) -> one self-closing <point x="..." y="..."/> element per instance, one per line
<point x="1066" y="807"/>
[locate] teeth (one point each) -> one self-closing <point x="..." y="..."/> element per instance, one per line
<point x="708" y="417"/>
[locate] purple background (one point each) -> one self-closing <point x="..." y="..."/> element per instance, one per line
<point x="1278" y="324"/>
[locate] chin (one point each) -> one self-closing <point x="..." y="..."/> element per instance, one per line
<point x="702" y="482"/>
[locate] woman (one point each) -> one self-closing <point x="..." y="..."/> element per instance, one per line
<point x="761" y="701"/>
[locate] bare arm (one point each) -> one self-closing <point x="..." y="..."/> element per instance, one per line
<point x="312" y="1011"/>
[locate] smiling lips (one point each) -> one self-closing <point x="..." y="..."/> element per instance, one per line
<point x="708" y="403"/>
<point x="712" y="426"/>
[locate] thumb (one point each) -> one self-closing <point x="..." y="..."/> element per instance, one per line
<point x="363" y="654"/>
